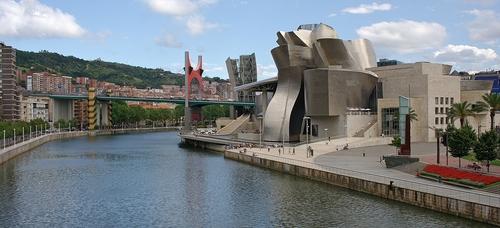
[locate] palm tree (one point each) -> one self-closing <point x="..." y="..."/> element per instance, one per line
<point x="460" y="110"/>
<point x="413" y="115"/>
<point x="478" y="110"/>
<point x="491" y="101"/>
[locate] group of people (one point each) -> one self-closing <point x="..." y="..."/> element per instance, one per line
<point x="345" y="147"/>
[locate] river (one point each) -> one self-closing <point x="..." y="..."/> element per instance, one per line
<point x="144" y="180"/>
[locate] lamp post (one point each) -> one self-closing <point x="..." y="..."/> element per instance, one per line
<point x="14" y="136"/>
<point x="23" y="134"/>
<point x="3" y="139"/>
<point x="326" y="135"/>
<point x="260" y="131"/>
<point x="30" y="132"/>
<point x="36" y="131"/>
<point x="306" y="119"/>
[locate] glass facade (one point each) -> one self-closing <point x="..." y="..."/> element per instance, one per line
<point x="390" y="124"/>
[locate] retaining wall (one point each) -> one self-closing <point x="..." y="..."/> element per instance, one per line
<point x="15" y="150"/>
<point x="478" y="212"/>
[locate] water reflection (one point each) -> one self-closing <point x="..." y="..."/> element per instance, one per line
<point x="148" y="180"/>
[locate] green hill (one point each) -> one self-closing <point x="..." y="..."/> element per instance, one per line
<point x="118" y="73"/>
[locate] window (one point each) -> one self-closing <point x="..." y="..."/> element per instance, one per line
<point x="447" y="110"/>
<point x="441" y="100"/>
<point x="447" y="120"/>
<point x="390" y="124"/>
<point x="437" y="100"/>
<point x="451" y="100"/>
<point x="446" y="100"/>
<point x="436" y="121"/>
<point x="442" y="110"/>
<point x="436" y="110"/>
<point x="442" y="120"/>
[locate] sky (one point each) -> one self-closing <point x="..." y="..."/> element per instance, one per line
<point x="155" y="33"/>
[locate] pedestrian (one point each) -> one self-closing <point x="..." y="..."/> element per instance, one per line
<point x="279" y="151"/>
<point x="293" y="151"/>
<point x="268" y="149"/>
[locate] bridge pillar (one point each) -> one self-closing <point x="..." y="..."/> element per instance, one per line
<point x="105" y="114"/>
<point x="61" y="110"/>
<point x="196" y="115"/>
<point x="92" y="115"/>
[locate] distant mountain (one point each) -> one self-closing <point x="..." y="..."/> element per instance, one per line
<point x="118" y="73"/>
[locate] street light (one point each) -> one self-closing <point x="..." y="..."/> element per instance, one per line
<point x="3" y="139"/>
<point x="326" y="134"/>
<point x="306" y="119"/>
<point x="260" y="131"/>
<point x="14" y="136"/>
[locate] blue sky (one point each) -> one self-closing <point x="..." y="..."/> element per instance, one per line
<point x="155" y="33"/>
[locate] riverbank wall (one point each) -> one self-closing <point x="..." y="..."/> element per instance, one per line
<point x="475" y="211"/>
<point x="15" y="150"/>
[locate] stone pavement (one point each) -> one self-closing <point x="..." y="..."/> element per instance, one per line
<point x="351" y="162"/>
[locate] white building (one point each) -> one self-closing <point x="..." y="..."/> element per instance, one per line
<point x="34" y="108"/>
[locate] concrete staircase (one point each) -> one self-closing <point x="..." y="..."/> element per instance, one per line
<point x="361" y="133"/>
<point x="235" y="125"/>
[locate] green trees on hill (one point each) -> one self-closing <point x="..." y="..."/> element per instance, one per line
<point x="121" y="74"/>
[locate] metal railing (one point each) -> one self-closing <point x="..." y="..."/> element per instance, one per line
<point x="471" y="195"/>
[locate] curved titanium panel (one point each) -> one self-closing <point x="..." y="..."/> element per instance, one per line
<point x="326" y="73"/>
<point x="363" y="52"/>
<point x="335" y="52"/>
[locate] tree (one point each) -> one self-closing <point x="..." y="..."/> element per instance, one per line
<point x="477" y="110"/>
<point x="487" y="147"/>
<point x="491" y="101"/>
<point x="460" y="110"/>
<point x="396" y="142"/>
<point x="61" y="124"/>
<point x="178" y="112"/>
<point x="413" y="115"/>
<point x="461" y="141"/>
<point x="213" y="112"/>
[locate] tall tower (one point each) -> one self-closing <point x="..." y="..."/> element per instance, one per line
<point x="190" y="75"/>
<point x="10" y="103"/>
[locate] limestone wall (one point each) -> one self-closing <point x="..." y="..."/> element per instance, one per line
<point x="470" y="210"/>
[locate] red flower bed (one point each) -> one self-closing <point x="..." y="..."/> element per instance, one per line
<point x="454" y="173"/>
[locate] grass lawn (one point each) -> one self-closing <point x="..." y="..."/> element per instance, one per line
<point x="471" y="157"/>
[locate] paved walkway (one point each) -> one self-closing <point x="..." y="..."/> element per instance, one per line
<point x="351" y="162"/>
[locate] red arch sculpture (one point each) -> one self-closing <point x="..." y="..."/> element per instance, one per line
<point x="195" y="74"/>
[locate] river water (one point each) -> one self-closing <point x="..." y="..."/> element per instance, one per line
<point x="144" y="180"/>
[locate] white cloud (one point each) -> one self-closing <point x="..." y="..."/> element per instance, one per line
<point x="465" y="57"/>
<point x="404" y="36"/>
<point x="485" y="26"/>
<point x="32" y="19"/>
<point x="173" y="7"/>
<point x="168" y="40"/>
<point x="368" y="8"/>
<point x="197" y="25"/>
<point x="186" y="11"/>
<point x="332" y="15"/>
<point x="266" y="71"/>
